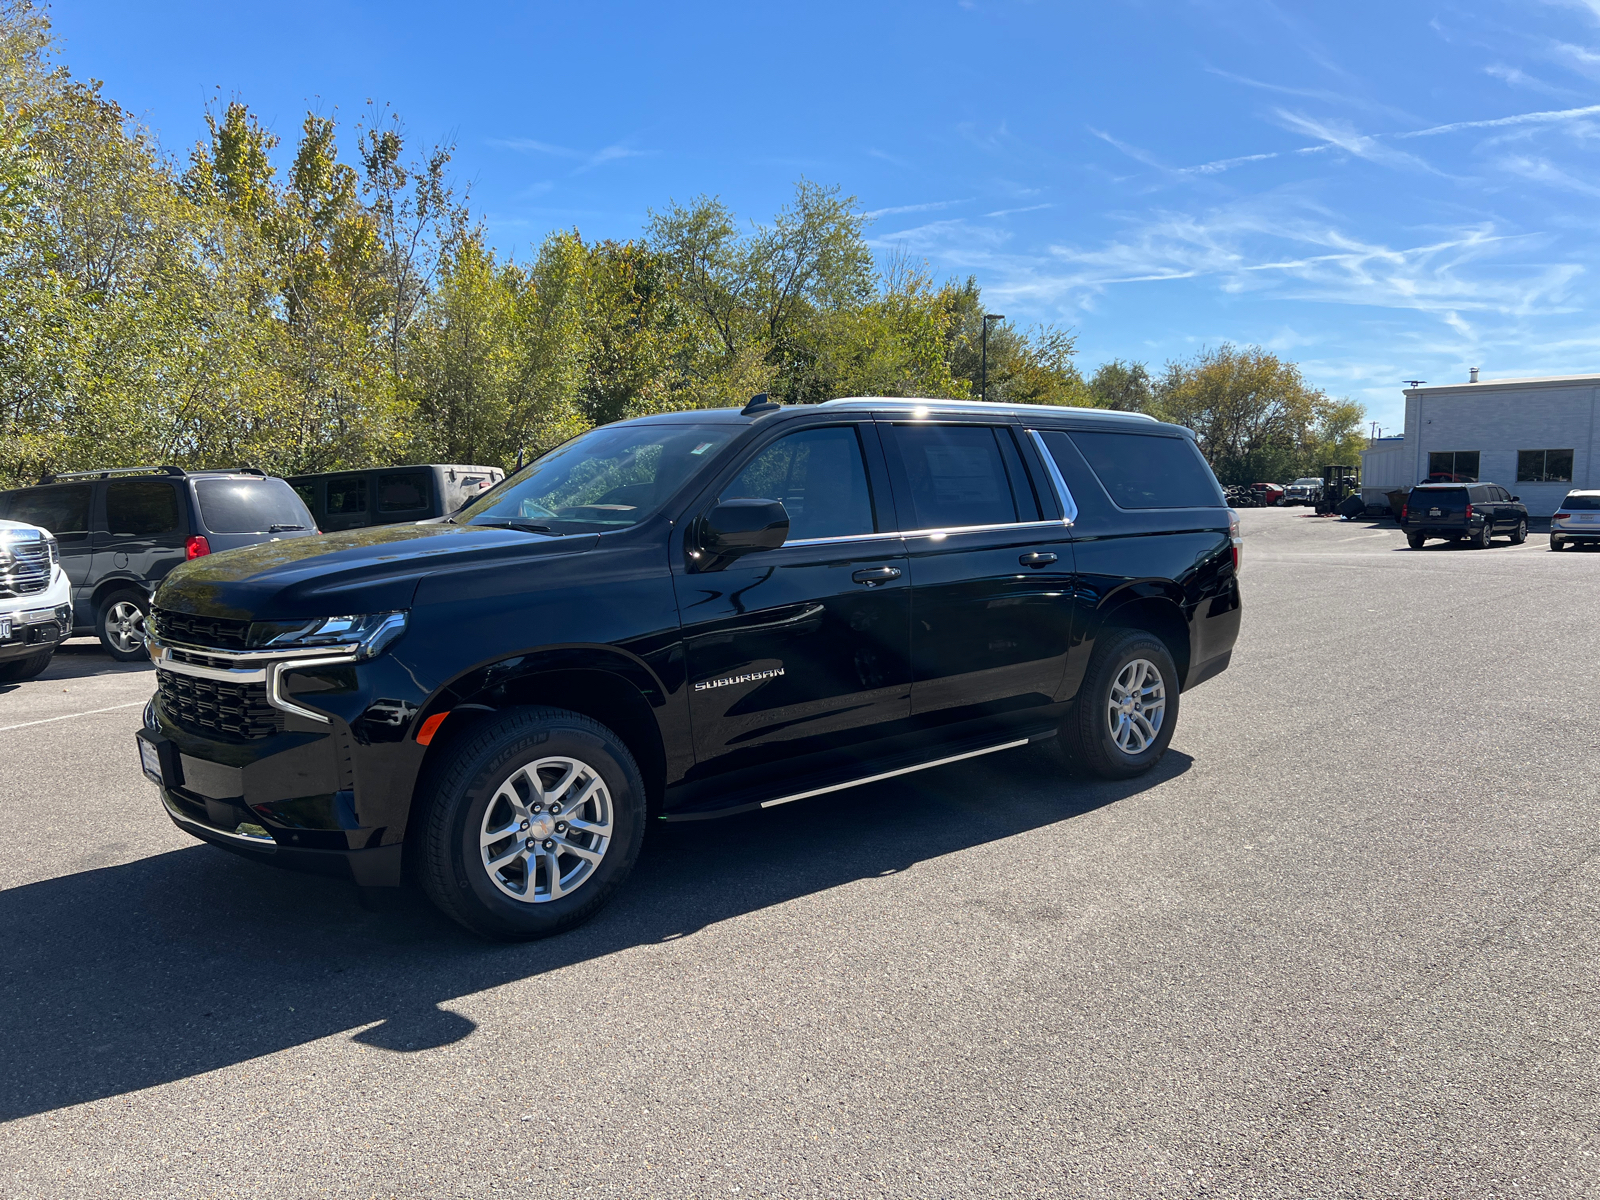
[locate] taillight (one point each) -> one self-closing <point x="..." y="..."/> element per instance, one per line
<point x="1235" y="537"/>
<point x="1405" y="511"/>
<point x="1561" y="516"/>
<point x="1469" y="512"/>
<point x="196" y="546"/>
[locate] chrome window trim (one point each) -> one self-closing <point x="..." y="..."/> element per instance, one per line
<point x="1069" y="506"/>
<point x="846" y="537"/>
<point x="1053" y="523"/>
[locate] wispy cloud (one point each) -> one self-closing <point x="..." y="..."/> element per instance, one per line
<point x="1225" y="164"/>
<point x="1304" y="93"/>
<point x="1518" y="78"/>
<point x="1539" y="170"/>
<point x="1552" y="117"/>
<point x="1341" y="136"/>
<point x="587" y="160"/>
<point x="1006" y="212"/>
<point x="930" y="206"/>
<point x="873" y="152"/>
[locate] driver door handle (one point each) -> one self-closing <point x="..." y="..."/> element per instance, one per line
<point x="1037" y="559"/>
<point x="873" y="576"/>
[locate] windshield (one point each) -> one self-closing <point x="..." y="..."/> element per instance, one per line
<point x="1306" y="481"/>
<point x="1581" y="503"/>
<point x="608" y="478"/>
<point x="250" y="506"/>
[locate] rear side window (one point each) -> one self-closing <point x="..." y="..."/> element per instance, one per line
<point x="307" y="493"/>
<point x="406" y="492"/>
<point x="955" y="475"/>
<point x="250" y="506"/>
<point x="821" y="478"/>
<point x="1571" y="504"/>
<point x="1141" y="470"/>
<point x="141" y="508"/>
<point x="347" y="495"/>
<point x="63" y="510"/>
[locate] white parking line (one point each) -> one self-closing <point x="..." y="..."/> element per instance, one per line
<point x="69" y="716"/>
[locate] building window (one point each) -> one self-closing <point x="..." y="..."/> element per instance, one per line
<point x="1544" y="466"/>
<point x="1453" y="466"/>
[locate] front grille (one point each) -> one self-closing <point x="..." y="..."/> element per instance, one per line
<point x="221" y="633"/>
<point x="216" y="708"/>
<point x="24" y="566"/>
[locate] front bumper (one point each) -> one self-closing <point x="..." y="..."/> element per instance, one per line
<point x="321" y="782"/>
<point x="28" y="626"/>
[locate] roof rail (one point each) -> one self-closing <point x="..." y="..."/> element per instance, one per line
<point x="979" y="406"/>
<point x="108" y="472"/>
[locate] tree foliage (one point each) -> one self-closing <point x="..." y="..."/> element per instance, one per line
<point x="299" y="308"/>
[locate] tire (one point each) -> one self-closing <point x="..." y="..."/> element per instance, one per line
<point x="1520" y="533"/>
<point x="1415" y="540"/>
<point x="1556" y="543"/>
<point x="120" y="625"/>
<point x="19" y="670"/>
<point x="1485" y="536"/>
<point x="485" y="785"/>
<point x="1088" y="736"/>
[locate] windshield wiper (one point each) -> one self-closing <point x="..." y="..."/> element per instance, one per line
<point x="514" y="523"/>
<point x="283" y="528"/>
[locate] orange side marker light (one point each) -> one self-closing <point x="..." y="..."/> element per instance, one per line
<point x="430" y="727"/>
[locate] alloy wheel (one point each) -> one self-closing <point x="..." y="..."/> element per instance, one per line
<point x="1137" y="706"/>
<point x="546" y="830"/>
<point x="125" y="626"/>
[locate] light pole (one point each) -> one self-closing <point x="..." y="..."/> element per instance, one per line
<point x="983" y="386"/>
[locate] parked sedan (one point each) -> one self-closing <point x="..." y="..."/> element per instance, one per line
<point x="1577" y="521"/>
<point x="1458" y="512"/>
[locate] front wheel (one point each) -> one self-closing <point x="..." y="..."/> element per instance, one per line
<point x="534" y="822"/>
<point x="120" y="625"/>
<point x="1127" y="707"/>
<point x="20" y="670"/>
<point x="1520" y="533"/>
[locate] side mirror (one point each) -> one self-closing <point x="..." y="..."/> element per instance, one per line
<point x="737" y="527"/>
<point x="1516" y="499"/>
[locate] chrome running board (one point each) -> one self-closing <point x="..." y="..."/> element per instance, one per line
<point x="937" y="762"/>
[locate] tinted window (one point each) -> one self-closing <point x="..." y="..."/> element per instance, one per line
<point x="821" y="478"/>
<point x="955" y="475"/>
<point x="402" y="493"/>
<point x="1445" y="499"/>
<point x="141" y="507"/>
<point x="1149" y="471"/>
<point x="1453" y="466"/>
<point x="607" y="478"/>
<point x="347" y="494"/>
<point x="63" y="509"/>
<point x="1544" y="466"/>
<point x="1581" y="503"/>
<point x="307" y="493"/>
<point x="250" y="506"/>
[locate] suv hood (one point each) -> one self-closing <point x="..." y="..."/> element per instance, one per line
<point x="357" y="571"/>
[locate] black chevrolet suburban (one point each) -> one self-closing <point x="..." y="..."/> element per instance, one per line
<point x="1463" y="512"/>
<point x="684" y="616"/>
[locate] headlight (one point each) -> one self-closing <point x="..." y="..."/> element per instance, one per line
<point x="371" y="634"/>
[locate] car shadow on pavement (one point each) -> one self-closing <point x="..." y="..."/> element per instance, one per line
<point x="127" y="977"/>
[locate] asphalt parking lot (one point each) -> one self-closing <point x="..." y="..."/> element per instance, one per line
<point x="1341" y="943"/>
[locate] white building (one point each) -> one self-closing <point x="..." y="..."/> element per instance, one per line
<point x="1534" y="437"/>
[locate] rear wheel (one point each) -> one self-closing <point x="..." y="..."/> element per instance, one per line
<point x="1520" y="533"/>
<point x="1127" y="707"/>
<point x="1555" y="543"/>
<point x="18" y="670"/>
<point x="1415" y="540"/>
<point x="1484" y="535"/>
<point x="535" y="821"/>
<point x="120" y="625"/>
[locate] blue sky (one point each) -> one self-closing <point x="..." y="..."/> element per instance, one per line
<point x="1377" y="191"/>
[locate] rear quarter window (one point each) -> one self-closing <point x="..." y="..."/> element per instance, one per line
<point x="62" y="509"/>
<point x="1141" y="470"/>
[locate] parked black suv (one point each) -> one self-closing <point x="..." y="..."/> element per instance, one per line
<point x="686" y="616"/>
<point x="122" y="530"/>
<point x="1463" y="512"/>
